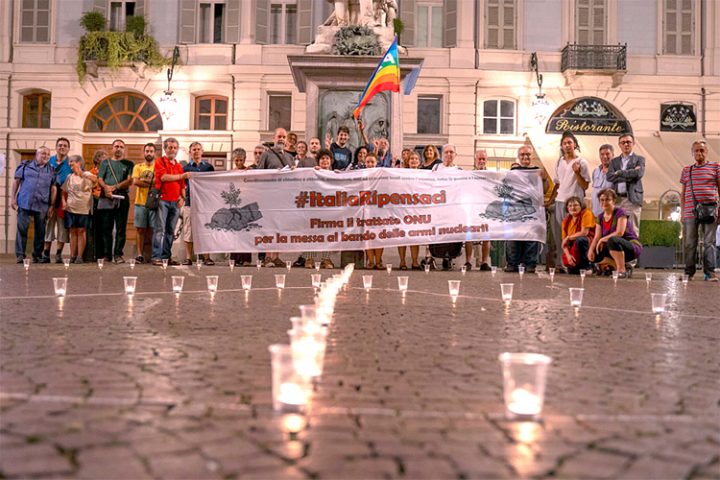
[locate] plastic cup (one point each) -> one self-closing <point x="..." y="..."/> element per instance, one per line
<point x="403" y="283"/>
<point x="389" y="268"/>
<point x="427" y="268"/>
<point x="317" y="266"/>
<point x="658" y="302"/>
<point x="524" y="376"/>
<point x="493" y="270"/>
<point x="290" y="390"/>
<point x="648" y="277"/>
<point x="463" y="270"/>
<point x="100" y="263"/>
<point x="165" y="263"/>
<point x="615" y="275"/>
<point x="131" y="262"/>
<point x="454" y="287"/>
<point x="280" y="280"/>
<point x="367" y="282"/>
<point x="130" y="284"/>
<point x="231" y="264"/>
<point x="582" y="275"/>
<point x="521" y="270"/>
<point x="212" y="283"/>
<point x="26" y="264"/>
<point x="246" y="281"/>
<point x="685" y="279"/>
<point x="66" y="262"/>
<point x="506" y="290"/>
<point x="177" y="283"/>
<point x="316" y="280"/>
<point x="60" y="285"/>
<point x="198" y="263"/>
<point x="308" y="350"/>
<point x="258" y="265"/>
<point x="288" y="265"/>
<point x="551" y="272"/>
<point x="576" y="297"/>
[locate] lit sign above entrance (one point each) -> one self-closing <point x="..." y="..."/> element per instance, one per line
<point x="588" y="116"/>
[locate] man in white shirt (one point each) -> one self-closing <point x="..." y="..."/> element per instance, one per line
<point x="449" y="152"/>
<point x="599" y="177"/>
<point x="572" y="177"/>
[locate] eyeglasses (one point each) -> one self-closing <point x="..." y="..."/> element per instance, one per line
<point x="525" y="155"/>
<point x="626" y="142"/>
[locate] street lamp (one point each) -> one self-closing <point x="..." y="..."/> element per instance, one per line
<point x="541" y="107"/>
<point x="168" y="103"/>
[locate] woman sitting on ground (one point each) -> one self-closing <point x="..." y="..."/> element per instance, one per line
<point x="615" y="241"/>
<point x="578" y="230"/>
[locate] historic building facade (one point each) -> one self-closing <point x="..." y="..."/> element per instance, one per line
<point x="652" y="67"/>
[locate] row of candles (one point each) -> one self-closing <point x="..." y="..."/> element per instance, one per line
<point x="296" y="366"/>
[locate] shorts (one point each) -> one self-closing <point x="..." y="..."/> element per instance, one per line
<point x="144" y="217"/>
<point x="186" y="225"/>
<point x="53" y="224"/>
<point x="76" y="220"/>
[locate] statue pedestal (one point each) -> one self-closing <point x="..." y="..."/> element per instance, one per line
<point x="333" y="85"/>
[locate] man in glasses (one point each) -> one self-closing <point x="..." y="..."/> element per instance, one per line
<point x="626" y="172"/>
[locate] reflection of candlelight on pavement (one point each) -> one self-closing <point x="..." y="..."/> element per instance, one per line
<point x="293" y="422"/>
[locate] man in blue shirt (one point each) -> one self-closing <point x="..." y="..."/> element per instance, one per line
<point x="55" y="228"/>
<point x="342" y="155"/>
<point x="196" y="164"/>
<point x="32" y="194"/>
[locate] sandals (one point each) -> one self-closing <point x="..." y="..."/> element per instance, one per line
<point x="208" y="262"/>
<point x="403" y="267"/>
<point x="186" y="262"/>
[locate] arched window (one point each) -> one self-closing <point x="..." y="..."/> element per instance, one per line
<point x="211" y="112"/>
<point x="36" y="110"/>
<point x="124" y="112"/>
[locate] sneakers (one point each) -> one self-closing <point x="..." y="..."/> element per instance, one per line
<point x="58" y="258"/>
<point x="327" y="263"/>
<point x="299" y="263"/>
<point x="157" y="262"/>
<point x="20" y="260"/>
<point x="78" y="260"/>
<point x="139" y="259"/>
<point x="119" y="259"/>
<point x="468" y="266"/>
<point x="485" y="268"/>
<point x="710" y="277"/>
<point x="208" y="262"/>
<point x="510" y="269"/>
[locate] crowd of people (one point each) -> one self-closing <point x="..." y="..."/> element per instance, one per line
<point x="89" y="209"/>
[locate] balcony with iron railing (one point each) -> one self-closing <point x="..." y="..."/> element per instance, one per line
<point x="594" y="59"/>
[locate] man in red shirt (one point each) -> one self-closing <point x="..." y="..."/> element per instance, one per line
<point x="170" y="179"/>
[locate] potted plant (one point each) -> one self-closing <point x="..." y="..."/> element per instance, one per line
<point x="660" y="239"/>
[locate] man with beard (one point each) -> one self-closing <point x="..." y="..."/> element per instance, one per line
<point x="143" y="176"/>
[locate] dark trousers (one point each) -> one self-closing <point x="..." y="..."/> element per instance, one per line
<point x="692" y="233"/>
<point x="582" y="246"/>
<point x="522" y="252"/>
<point x="617" y="244"/>
<point x="23" y="223"/>
<point x="117" y="219"/>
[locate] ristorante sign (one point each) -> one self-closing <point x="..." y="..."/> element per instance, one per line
<point x="588" y="116"/>
<point x="311" y="210"/>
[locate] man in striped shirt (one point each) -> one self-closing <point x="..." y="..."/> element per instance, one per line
<point x="700" y="184"/>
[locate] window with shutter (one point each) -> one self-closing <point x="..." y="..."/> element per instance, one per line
<point x="36" y="110"/>
<point x="500" y="24"/>
<point x="188" y="20"/>
<point x="429" y="31"/>
<point x="678" y="27"/>
<point x="590" y="22"/>
<point x="284" y="22"/>
<point x="211" y="22"/>
<point x="35" y="21"/>
<point x="120" y="11"/>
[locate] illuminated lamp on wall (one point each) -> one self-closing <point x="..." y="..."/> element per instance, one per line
<point x="168" y="103"/>
<point x="540" y="106"/>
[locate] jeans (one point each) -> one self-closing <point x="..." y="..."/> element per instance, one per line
<point x="23" y="223"/>
<point x="164" y="229"/>
<point x="560" y="213"/>
<point x="691" y="234"/>
<point x="116" y="218"/>
<point x="522" y="252"/>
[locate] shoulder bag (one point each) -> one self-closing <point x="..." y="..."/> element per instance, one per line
<point x="153" y="197"/>
<point x="105" y="203"/>
<point x="704" y="211"/>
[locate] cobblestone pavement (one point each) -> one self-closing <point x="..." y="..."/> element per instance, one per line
<point x="100" y="385"/>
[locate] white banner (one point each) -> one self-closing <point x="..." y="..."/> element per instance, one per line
<point x="308" y="210"/>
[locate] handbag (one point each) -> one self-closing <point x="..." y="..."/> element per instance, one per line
<point x="105" y="203"/>
<point x="153" y="197"/>
<point x="704" y="211"/>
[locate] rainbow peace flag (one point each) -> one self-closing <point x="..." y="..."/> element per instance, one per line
<point x="385" y="77"/>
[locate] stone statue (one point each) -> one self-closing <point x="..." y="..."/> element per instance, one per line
<point x="372" y="13"/>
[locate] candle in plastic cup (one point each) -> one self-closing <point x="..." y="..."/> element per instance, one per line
<point x="131" y="262"/>
<point x="402" y="283"/>
<point x="685" y="279"/>
<point x="658" y="302"/>
<point x="280" y="280"/>
<point x="524" y="376"/>
<point x="454" y="287"/>
<point x="463" y="269"/>
<point x="26" y="264"/>
<point x="130" y="284"/>
<point x="389" y="267"/>
<point x="177" y="283"/>
<point x="367" y="282"/>
<point x="66" y="262"/>
<point x="246" y="281"/>
<point x="288" y="265"/>
<point x="615" y="275"/>
<point x="100" y="263"/>
<point x="551" y="272"/>
<point x="521" y="270"/>
<point x="231" y="264"/>
<point x="290" y="390"/>
<point x="648" y="277"/>
<point x="582" y="275"/>
<point x="506" y="290"/>
<point x="60" y="284"/>
<point x="427" y="268"/>
<point x="165" y="263"/>
<point x="308" y="312"/>
<point x="493" y="270"/>
<point x="317" y="266"/>
<point x="212" y="283"/>
<point x="576" y="297"/>
<point x="308" y="350"/>
<point x="258" y="265"/>
<point x="198" y="263"/>
<point x="315" y="280"/>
